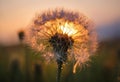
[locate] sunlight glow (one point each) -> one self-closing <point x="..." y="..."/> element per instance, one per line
<point x="68" y="29"/>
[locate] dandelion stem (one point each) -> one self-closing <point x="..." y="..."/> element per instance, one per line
<point x="59" y="70"/>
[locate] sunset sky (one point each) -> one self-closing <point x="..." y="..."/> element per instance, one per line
<point x="18" y="14"/>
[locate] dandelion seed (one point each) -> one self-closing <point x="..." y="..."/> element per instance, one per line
<point x="63" y="33"/>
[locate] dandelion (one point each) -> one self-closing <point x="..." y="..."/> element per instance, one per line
<point x="61" y="34"/>
<point x="21" y="35"/>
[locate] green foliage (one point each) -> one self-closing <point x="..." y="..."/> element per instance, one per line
<point x="104" y="66"/>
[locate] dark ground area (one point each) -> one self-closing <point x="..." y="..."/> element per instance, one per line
<point x="20" y="64"/>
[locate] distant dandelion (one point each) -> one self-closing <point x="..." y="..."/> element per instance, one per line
<point x="21" y="35"/>
<point x="60" y="33"/>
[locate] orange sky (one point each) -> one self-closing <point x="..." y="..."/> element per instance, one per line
<point x="17" y="14"/>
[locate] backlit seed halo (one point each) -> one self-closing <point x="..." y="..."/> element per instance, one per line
<point x="60" y="33"/>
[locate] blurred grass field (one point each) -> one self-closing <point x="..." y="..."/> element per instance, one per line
<point x="20" y="64"/>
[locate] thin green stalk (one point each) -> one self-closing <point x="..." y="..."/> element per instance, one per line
<point x="59" y="70"/>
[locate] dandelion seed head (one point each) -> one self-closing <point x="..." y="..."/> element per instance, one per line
<point x="61" y="33"/>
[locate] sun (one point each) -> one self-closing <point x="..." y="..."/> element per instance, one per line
<point x="68" y="29"/>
